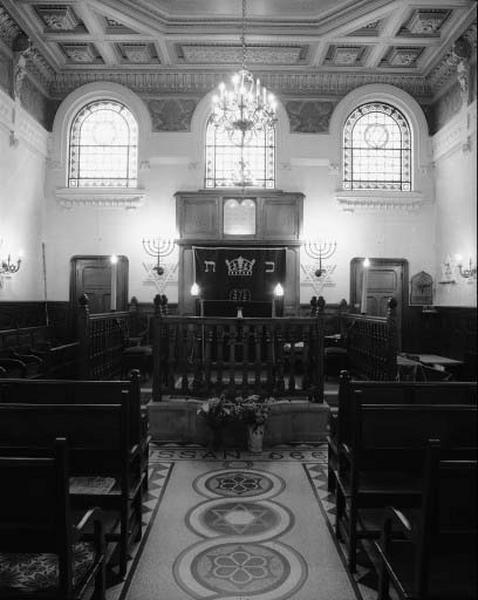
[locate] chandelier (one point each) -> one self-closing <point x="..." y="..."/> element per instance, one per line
<point x="245" y="107"/>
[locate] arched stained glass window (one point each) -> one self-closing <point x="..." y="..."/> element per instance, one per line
<point x="232" y="164"/>
<point x="377" y="149"/>
<point x="103" y="146"/>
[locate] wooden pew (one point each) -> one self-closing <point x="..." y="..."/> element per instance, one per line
<point x="432" y="551"/>
<point x="384" y="463"/>
<point x="387" y="392"/>
<point x="36" y="519"/>
<point x="98" y="438"/>
<point x="87" y="392"/>
<point x="37" y="353"/>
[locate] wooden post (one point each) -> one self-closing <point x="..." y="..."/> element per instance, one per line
<point x="320" y="349"/>
<point x="157" y="375"/>
<point x="83" y="327"/>
<point x="392" y="322"/>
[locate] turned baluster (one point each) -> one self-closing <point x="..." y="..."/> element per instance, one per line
<point x="269" y="334"/>
<point x="208" y="341"/>
<point x="233" y="333"/>
<point x="279" y="344"/>
<point x="257" y="339"/>
<point x="245" y="358"/>
<point x="220" y="341"/>
<point x="184" y="337"/>
<point x="196" y="335"/>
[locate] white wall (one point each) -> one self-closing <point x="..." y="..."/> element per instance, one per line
<point x="171" y="162"/>
<point x="23" y="148"/>
<point x="455" y="225"/>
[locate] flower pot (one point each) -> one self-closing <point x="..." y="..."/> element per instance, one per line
<point x="255" y="438"/>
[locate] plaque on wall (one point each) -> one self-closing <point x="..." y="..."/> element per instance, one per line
<point x="421" y="289"/>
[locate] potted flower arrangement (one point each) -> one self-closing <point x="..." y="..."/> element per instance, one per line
<point x="254" y="411"/>
<point x="217" y="412"/>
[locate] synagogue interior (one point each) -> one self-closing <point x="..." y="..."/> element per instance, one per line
<point x="238" y="300"/>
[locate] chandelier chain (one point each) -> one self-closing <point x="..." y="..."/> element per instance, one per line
<point x="243" y="34"/>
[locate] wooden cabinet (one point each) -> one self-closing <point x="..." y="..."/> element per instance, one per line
<point x="277" y="222"/>
<point x="200" y="215"/>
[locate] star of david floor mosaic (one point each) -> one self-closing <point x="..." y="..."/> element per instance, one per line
<point x="236" y="527"/>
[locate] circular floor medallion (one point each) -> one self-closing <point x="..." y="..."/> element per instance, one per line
<point x="252" y="520"/>
<point x="236" y="483"/>
<point x="268" y="571"/>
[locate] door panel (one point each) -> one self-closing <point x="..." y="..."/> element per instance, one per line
<point x="387" y="277"/>
<point x="92" y="275"/>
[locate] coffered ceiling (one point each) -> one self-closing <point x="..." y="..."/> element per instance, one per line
<point x="373" y="38"/>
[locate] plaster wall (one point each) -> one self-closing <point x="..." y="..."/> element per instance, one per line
<point x="171" y="162"/>
<point x="455" y="224"/>
<point x="22" y="175"/>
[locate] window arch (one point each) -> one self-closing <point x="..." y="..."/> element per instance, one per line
<point x="103" y="146"/>
<point x="226" y="158"/>
<point x="377" y="149"/>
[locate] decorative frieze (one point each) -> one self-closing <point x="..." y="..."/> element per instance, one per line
<point x="200" y="82"/>
<point x="378" y="201"/>
<point x="124" y="198"/>
<point x="172" y="114"/>
<point x="309" y="116"/>
<point x="8" y="28"/>
<point x="232" y="54"/>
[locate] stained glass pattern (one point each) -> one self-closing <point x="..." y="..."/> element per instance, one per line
<point x="103" y="147"/>
<point x="377" y="149"/>
<point x="224" y="154"/>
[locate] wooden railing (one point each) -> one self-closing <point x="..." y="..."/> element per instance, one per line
<point x="372" y="344"/>
<point x="203" y="356"/>
<point x="102" y="340"/>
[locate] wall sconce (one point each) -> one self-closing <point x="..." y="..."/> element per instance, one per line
<point x="8" y="267"/>
<point x="319" y="251"/>
<point x="195" y="289"/>
<point x="465" y="273"/>
<point x="159" y="248"/>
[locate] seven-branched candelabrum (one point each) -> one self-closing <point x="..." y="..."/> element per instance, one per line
<point x="252" y="410"/>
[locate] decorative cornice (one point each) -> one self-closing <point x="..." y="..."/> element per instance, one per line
<point x="379" y="201"/>
<point x="455" y="134"/>
<point x="8" y="28"/>
<point x="284" y="83"/>
<point x="445" y="70"/>
<point x="126" y="198"/>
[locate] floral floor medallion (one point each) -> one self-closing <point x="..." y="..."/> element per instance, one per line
<point x="239" y="559"/>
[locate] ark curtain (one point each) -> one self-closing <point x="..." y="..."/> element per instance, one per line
<point x="238" y="274"/>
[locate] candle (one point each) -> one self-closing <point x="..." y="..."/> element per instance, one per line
<point x="114" y="268"/>
<point x="363" y="303"/>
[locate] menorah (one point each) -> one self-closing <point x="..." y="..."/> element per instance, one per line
<point x="320" y="250"/>
<point x="159" y="248"/>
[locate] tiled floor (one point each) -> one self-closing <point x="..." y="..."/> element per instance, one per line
<point x="239" y="526"/>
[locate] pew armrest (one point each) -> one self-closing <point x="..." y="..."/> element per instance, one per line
<point x="399" y="520"/>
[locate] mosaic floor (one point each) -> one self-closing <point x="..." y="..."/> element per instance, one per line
<point x="239" y="526"/>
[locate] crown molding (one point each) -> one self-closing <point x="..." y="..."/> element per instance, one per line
<point x="378" y="201"/>
<point x="123" y="198"/>
<point x="285" y="83"/>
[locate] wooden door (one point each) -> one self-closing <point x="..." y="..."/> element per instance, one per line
<point x="92" y="275"/>
<point x="387" y="277"/>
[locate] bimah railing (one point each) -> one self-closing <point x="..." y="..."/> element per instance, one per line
<point x="204" y="356"/>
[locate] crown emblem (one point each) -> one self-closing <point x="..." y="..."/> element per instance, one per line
<point x="240" y="267"/>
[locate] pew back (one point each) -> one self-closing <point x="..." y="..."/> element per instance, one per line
<point x="45" y="391"/>
<point x="97" y="434"/>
